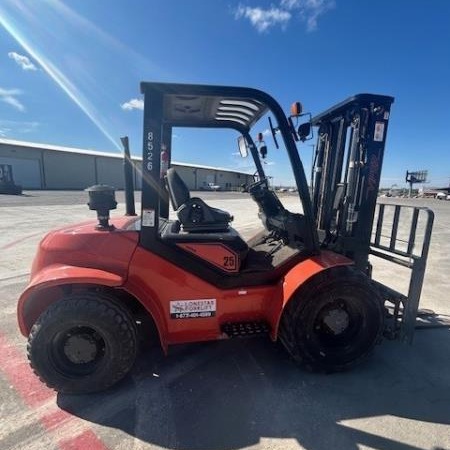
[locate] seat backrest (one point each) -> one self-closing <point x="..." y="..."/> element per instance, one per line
<point x="178" y="191"/>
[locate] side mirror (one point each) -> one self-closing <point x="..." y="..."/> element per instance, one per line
<point x="242" y="144"/>
<point x="263" y="151"/>
<point x="304" y="130"/>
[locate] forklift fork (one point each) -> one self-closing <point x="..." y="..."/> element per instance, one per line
<point x="407" y="246"/>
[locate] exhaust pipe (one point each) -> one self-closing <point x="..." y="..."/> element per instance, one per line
<point x="128" y="175"/>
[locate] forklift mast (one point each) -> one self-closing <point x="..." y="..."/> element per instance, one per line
<point x="346" y="173"/>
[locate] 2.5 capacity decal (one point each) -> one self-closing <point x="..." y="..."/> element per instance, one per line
<point x="193" y="309"/>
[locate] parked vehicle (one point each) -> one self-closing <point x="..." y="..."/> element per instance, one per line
<point x="7" y="185"/>
<point x="213" y="187"/>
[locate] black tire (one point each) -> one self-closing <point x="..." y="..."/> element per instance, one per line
<point x="334" y="321"/>
<point x="83" y="343"/>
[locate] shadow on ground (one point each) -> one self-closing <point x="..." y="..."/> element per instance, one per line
<point x="230" y="395"/>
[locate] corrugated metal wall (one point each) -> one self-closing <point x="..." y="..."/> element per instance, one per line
<point x="41" y="168"/>
<point x="68" y="170"/>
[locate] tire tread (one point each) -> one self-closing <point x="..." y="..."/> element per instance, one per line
<point x="97" y="306"/>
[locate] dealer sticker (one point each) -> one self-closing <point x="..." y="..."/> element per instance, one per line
<point x="193" y="309"/>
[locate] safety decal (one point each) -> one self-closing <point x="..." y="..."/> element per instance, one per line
<point x="148" y="218"/>
<point x="379" y="132"/>
<point x="193" y="309"/>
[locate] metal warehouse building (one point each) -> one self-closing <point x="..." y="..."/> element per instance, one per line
<point x="41" y="166"/>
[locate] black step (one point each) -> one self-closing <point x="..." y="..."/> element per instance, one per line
<point x="245" y="329"/>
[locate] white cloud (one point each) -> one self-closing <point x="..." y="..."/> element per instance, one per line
<point x="309" y="10"/>
<point x="29" y="127"/>
<point x="134" y="103"/>
<point x="263" y="19"/>
<point x="9" y="96"/>
<point x="12" y="127"/>
<point x="22" y="60"/>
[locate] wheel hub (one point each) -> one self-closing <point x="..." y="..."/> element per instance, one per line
<point x="336" y="320"/>
<point x="80" y="348"/>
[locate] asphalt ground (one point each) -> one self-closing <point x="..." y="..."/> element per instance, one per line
<point x="231" y="394"/>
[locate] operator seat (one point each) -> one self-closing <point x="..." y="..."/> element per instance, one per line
<point x="193" y="213"/>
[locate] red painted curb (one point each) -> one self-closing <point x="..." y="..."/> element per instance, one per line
<point x="34" y="394"/>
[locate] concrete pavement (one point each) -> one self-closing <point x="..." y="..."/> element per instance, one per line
<point x="227" y="395"/>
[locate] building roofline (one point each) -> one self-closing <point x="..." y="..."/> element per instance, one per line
<point x="58" y="148"/>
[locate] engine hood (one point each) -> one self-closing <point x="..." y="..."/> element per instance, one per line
<point x="83" y="246"/>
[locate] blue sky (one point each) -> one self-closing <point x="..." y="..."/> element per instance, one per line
<point x="70" y="71"/>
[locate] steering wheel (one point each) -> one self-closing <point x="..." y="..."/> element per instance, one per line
<point x="258" y="186"/>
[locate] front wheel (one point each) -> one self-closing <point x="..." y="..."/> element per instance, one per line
<point x="334" y="321"/>
<point x="83" y="343"/>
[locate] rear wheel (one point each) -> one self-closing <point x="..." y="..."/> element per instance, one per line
<point x="83" y="343"/>
<point x="334" y="322"/>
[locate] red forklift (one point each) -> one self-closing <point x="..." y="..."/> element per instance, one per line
<point x="304" y="279"/>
